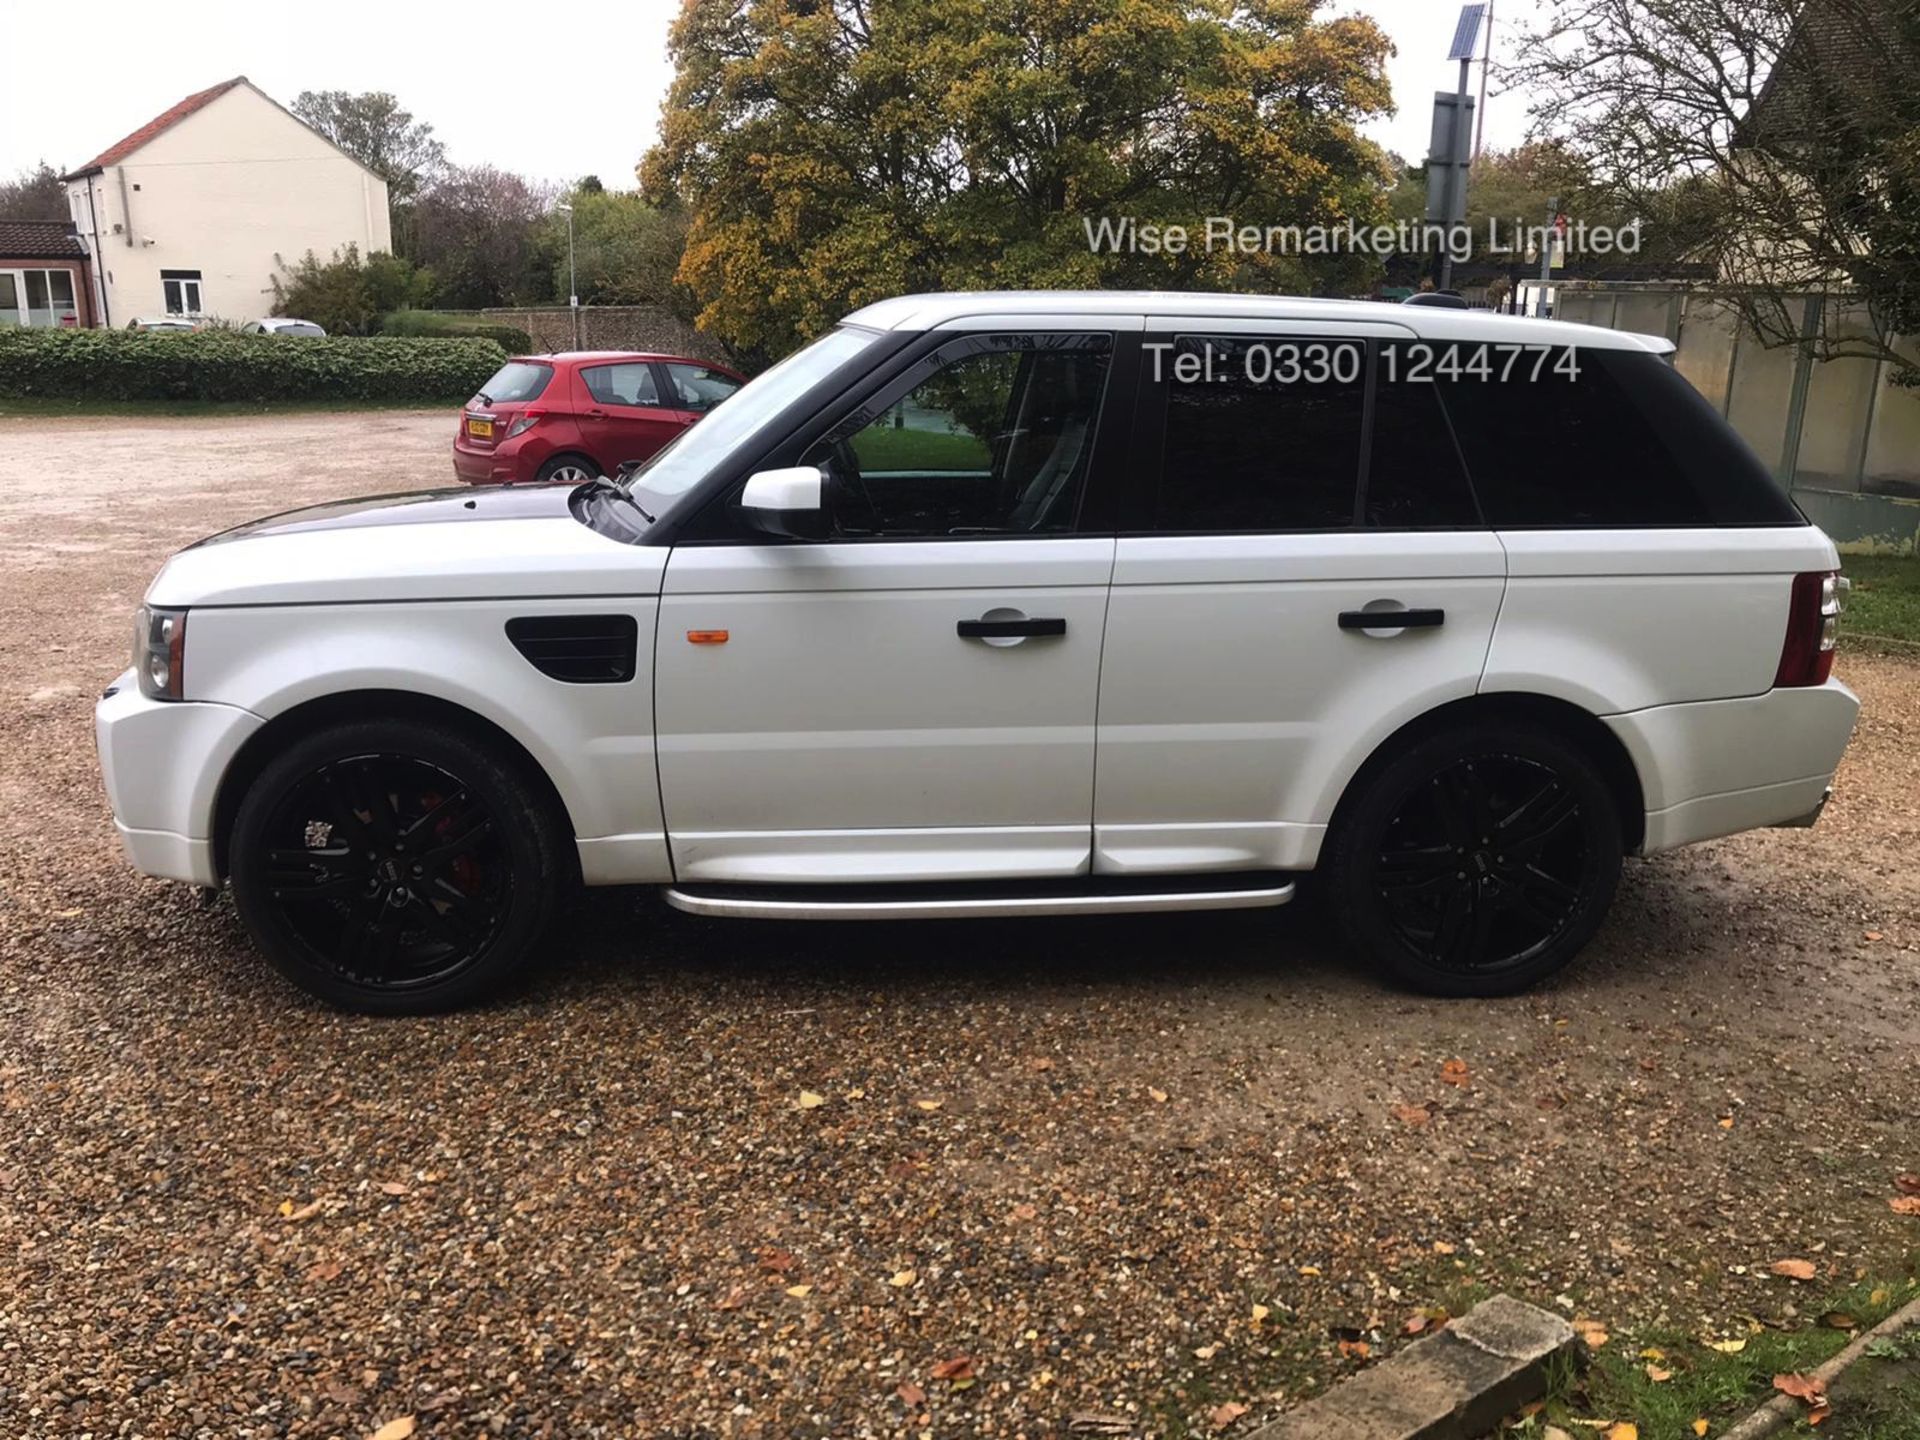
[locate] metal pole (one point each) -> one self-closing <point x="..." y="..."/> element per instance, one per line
<point x="1546" y="255"/>
<point x="1486" y="64"/>
<point x="1456" y="173"/>
<point x="573" y="284"/>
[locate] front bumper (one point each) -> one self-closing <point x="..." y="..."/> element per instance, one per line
<point x="162" y="762"/>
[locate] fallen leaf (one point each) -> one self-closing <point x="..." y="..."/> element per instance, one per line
<point x="811" y="1100"/>
<point x="960" y="1367"/>
<point x="1875" y="935"/>
<point x="1415" y="1324"/>
<point x="1801" y="1387"/>
<point x="394" y="1429"/>
<point x="733" y="1299"/>
<point x="1023" y="1213"/>
<point x="1225" y="1415"/>
<point x="1657" y="1375"/>
<point x="1726" y="1122"/>
<point x="1412" y="1114"/>
<point x="393" y="1187"/>
<point x="1878" y="1297"/>
<point x="1591" y="1331"/>
<point x="1794" y="1269"/>
<point x="1207" y="1352"/>
<point x="1650" y="1353"/>
<point x="341" y="1393"/>
<point x="902" y="1279"/>
<point x="1040" y="1065"/>
<point x="1625" y="1430"/>
<point x="911" y="1395"/>
<point x="1905" y="1204"/>
<point x="1441" y="1247"/>
<point x="1727" y="1347"/>
<point x="1455" y="1072"/>
<point x="1839" y="1320"/>
<point x="1355" y="1349"/>
<point x="1907" y="1182"/>
<point x="1260" y="1312"/>
<point x="929" y="1105"/>
<point x="324" y="1270"/>
<point x="1159" y="1097"/>
<point x="1095" y="1422"/>
<point x="1700" y="1426"/>
<point x="1309" y="1270"/>
<point x="303" y="1214"/>
<point x="799" y="1292"/>
<point x="1818" y="1414"/>
<point x="776" y="1262"/>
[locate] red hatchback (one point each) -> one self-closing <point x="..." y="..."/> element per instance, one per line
<point x="573" y="416"/>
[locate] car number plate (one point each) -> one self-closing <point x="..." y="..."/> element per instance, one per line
<point x="479" y="429"/>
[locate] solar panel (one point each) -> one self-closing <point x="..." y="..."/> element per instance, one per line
<point x="1466" y="35"/>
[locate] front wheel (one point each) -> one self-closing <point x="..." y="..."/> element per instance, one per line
<point x="1478" y="861"/>
<point x="395" y="868"/>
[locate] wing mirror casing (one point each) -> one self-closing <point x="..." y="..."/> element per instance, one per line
<point x="787" y="503"/>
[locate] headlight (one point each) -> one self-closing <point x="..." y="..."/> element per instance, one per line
<point x="160" y="652"/>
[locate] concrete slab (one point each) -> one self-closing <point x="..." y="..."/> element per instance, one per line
<point x="1455" y="1385"/>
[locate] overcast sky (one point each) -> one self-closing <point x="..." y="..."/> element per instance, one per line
<point x="485" y="73"/>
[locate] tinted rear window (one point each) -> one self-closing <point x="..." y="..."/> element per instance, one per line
<point x="516" y="381"/>
<point x="1619" y="440"/>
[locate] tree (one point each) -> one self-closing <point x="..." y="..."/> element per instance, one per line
<point x="35" y="194"/>
<point x="1778" y="139"/>
<point x="345" y="295"/>
<point x="626" y="250"/>
<point x="379" y="134"/>
<point x="479" y="229"/>
<point x="831" y="152"/>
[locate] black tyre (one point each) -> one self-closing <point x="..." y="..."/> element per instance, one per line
<point x="396" y="867"/>
<point x="567" y="470"/>
<point x="1477" y="861"/>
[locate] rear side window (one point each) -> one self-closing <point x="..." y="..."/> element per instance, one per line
<point x="1261" y="433"/>
<point x="628" y="383"/>
<point x="517" y="381"/>
<point x="1414" y="476"/>
<point x="1618" y="439"/>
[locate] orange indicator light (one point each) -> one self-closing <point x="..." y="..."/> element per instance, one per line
<point x="706" y="637"/>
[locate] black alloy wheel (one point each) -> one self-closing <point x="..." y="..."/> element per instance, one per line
<point x="398" y="877"/>
<point x="1478" y="861"/>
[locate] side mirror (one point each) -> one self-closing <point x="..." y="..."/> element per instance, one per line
<point x="786" y="503"/>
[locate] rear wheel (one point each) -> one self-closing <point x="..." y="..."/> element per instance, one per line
<point x="395" y="868"/>
<point x="567" y="470"/>
<point x="1477" y="862"/>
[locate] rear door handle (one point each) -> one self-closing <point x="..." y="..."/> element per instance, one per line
<point x="1009" y="629"/>
<point x="1391" y="619"/>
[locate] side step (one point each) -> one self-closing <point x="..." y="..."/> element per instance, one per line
<point x="1077" y="895"/>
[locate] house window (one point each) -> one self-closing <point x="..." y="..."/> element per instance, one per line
<point x="37" y="297"/>
<point x="182" y="290"/>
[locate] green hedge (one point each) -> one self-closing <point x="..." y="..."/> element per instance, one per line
<point x="439" y="322"/>
<point x="218" y="365"/>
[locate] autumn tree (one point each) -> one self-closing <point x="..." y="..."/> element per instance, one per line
<point x="478" y="229"/>
<point x="626" y="249"/>
<point x="831" y="152"/>
<point x="1777" y="140"/>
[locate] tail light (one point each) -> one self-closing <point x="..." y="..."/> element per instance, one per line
<point x="524" y="422"/>
<point x="1813" y="628"/>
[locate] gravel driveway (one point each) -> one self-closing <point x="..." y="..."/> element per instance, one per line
<point x="712" y="1179"/>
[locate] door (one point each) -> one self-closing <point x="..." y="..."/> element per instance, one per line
<point x="912" y="698"/>
<point x="13" y="303"/>
<point x="623" y="412"/>
<point x="1294" y="490"/>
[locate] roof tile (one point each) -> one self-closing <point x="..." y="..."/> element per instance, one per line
<point x="160" y="123"/>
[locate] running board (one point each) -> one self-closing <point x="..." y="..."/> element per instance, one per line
<point x="1083" y="895"/>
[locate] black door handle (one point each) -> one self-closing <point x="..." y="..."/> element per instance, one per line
<point x="1008" y="629"/>
<point x="1391" y="619"/>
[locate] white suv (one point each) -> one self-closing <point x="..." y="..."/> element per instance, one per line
<point x="1015" y="604"/>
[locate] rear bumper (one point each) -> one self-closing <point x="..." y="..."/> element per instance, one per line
<point x="1721" y="766"/>
<point x="485" y="467"/>
<point x="162" y="762"/>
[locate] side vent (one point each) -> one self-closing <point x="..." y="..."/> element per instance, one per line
<point x="579" y="649"/>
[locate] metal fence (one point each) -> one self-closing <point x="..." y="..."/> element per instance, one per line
<point x="1839" y="434"/>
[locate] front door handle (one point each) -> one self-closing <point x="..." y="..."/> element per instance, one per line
<point x="1391" y="619"/>
<point x="1009" y="629"/>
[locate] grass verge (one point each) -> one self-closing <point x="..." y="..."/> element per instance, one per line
<point x="1885" y="603"/>
<point x="1665" y="1384"/>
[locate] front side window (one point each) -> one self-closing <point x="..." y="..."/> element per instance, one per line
<point x="700" y="387"/>
<point x="628" y="383"/>
<point x="1263" y="433"/>
<point x="997" y="441"/>
<point x="181" y="291"/>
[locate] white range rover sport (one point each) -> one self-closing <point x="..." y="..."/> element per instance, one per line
<point x="1015" y="604"/>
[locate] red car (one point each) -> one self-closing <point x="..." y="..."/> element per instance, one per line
<point x="573" y="416"/>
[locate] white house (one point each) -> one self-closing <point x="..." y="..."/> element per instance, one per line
<point x="187" y="215"/>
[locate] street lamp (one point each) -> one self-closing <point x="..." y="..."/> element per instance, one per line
<point x="573" y="287"/>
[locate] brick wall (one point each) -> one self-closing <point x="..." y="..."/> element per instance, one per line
<point x="610" y="327"/>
